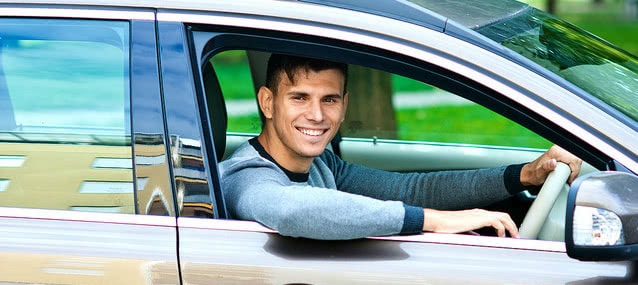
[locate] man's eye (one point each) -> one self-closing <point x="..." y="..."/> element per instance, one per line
<point x="330" y="100"/>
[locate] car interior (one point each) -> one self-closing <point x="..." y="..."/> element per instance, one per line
<point x="371" y="150"/>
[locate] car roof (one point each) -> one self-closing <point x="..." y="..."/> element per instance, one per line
<point x="472" y="14"/>
<point x="429" y="13"/>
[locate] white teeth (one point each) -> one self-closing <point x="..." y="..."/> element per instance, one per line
<point x="312" y="132"/>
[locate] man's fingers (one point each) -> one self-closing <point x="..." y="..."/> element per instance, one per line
<point x="511" y="227"/>
<point x="550" y="165"/>
<point x="575" y="166"/>
<point x="503" y="223"/>
<point x="499" y="227"/>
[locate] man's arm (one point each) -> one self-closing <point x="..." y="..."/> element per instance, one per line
<point x="443" y="190"/>
<point x="261" y="194"/>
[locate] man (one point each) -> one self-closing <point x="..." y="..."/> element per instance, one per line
<point x="285" y="178"/>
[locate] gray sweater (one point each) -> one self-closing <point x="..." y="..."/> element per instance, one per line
<point x="339" y="200"/>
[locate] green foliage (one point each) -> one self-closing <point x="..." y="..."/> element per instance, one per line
<point x="404" y="84"/>
<point x="234" y="75"/>
<point x="471" y="124"/>
<point x="607" y="20"/>
<point x="612" y="28"/>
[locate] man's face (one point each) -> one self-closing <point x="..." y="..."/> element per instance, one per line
<point x="303" y="117"/>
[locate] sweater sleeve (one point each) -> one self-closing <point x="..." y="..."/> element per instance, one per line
<point x="254" y="189"/>
<point x="413" y="220"/>
<point x="443" y="190"/>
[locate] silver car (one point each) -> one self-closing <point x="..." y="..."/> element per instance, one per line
<point x="115" y="114"/>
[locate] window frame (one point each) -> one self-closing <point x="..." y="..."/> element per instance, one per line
<point x="206" y="43"/>
<point x="287" y="42"/>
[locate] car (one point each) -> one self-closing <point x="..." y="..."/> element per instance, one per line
<point x="114" y="117"/>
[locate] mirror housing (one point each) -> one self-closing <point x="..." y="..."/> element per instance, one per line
<point x="602" y="217"/>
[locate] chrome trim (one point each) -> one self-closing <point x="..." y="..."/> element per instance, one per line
<point x="452" y="47"/>
<point x="455" y="239"/>
<point x="90" y="12"/>
<point x="129" y="219"/>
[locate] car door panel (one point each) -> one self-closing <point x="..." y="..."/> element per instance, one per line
<point x="241" y="252"/>
<point x="226" y="251"/>
<point x="85" y="150"/>
<point x="61" y="247"/>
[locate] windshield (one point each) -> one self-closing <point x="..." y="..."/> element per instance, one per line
<point x="583" y="59"/>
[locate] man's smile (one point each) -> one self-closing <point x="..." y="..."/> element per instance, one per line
<point x="312" y="132"/>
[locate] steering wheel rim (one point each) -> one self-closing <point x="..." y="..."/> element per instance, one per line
<point x="542" y="205"/>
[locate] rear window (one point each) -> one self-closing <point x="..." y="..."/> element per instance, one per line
<point x="65" y="138"/>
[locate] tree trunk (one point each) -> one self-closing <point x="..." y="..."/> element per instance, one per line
<point x="551" y="6"/>
<point x="370" y="112"/>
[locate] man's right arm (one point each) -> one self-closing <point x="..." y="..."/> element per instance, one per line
<point x="262" y="193"/>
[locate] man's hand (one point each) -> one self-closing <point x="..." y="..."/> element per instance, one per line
<point x="535" y="172"/>
<point x="468" y="220"/>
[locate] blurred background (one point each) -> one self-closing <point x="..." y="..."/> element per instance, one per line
<point x="613" y="20"/>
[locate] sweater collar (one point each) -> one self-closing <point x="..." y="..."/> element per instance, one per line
<point x="293" y="176"/>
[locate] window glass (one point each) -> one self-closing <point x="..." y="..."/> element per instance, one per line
<point x="65" y="115"/>
<point x="410" y="109"/>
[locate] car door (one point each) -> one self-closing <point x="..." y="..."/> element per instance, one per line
<point x="228" y="251"/>
<point x="85" y="195"/>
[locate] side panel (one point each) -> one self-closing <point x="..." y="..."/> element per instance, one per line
<point x="74" y="157"/>
<point x="238" y="252"/>
<point x="86" y="248"/>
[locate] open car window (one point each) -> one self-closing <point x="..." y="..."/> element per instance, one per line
<point x="394" y="123"/>
<point x="382" y="106"/>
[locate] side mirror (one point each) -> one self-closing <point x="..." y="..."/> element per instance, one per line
<point x="602" y="217"/>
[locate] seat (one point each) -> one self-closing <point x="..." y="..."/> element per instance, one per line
<point x="217" y="110"/>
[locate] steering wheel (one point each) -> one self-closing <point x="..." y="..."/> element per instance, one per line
<point x="542" y="205"/>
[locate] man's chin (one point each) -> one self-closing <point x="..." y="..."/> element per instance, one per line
<point x="313" y="151"/>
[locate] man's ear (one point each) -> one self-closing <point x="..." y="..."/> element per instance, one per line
<point x="345" y="106"/>
<point x="265" y="99"/>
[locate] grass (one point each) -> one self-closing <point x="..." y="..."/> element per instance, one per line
<point x="468" y="124"/>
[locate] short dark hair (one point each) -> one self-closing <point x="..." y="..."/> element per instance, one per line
<point x="280" y="64"/>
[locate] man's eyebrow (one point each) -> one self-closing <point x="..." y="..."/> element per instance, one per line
<point x="306" y="94"/>
<point x="333" y="95"/>
<point x="297" y="93"/>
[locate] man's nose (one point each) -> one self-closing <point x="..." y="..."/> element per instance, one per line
<point x="314" y="111"/>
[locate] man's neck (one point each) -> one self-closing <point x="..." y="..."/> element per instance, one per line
<point x="293" y="176"/>
<point x="285" y="159"/>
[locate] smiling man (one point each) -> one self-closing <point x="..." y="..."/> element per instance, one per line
<point x="285" y="178"/>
